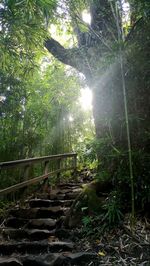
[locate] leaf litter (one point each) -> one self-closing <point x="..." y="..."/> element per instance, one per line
<point x="120" y="246"/>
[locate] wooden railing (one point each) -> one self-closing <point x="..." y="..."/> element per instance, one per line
<point x="26" y="164"/>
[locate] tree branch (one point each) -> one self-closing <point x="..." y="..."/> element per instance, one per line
<point x="73" y="57"/>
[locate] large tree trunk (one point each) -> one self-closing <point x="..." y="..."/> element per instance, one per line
<point x="106" y="84"/>
<point x="108" y="112"/>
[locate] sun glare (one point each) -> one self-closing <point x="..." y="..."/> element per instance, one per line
<point x="126" y="11"/>
<point x="2" y="98"/>
<point x="71" y="119"/>
<point x="86" y="99"/>
<point x="86" y="17"/>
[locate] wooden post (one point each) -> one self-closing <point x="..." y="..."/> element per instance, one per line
<point x="24" y="190"/>
<point x="59" y="167"/>
<point x="26" y="171"/>
<point x="45" y="182"/>
<point x="75" y="165"/>
<point x="46" y="165"/>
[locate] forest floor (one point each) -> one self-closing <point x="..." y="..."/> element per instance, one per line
<point x="119" y="246"/>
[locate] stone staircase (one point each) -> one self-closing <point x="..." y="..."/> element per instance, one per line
<point x="35" y="235"/>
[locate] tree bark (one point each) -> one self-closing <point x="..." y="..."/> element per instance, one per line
<point x="73" y="57"/>
<point x="108" y="105"/>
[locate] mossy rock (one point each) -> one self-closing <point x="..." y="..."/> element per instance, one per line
<point x="93" y="201"/>
<point x="87" y="202"/>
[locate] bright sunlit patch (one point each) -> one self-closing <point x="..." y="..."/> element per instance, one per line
<point x="2" y="98"/>
<point x="52" y="29"/>
<point x="86" y="99"/>
<point x="71" y="119"/>
<point x="44" y="63"/>
<point x="2" y="8"/>
<point x="86" y="16"/>
<point x="61" y="34"/>
<point x="126" y="11"/>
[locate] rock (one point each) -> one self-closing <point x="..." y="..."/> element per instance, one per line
<point x="32" y="213"/>
<point x="60" y="221"/>
<point x="65" y="203"/>
<point x="35" y="261"/>
<point x="51" y="212"/>
<point x="23" y="213"/>
<point x="35" y="247"/>
<point x="60" y="261"/>
<point x="15" y="222"/>
<point x="74" y="221"/>
<point x="34" y="233"/>
<point x="31" y="261"/>
<point x="34" y="203"/>
<point x="51" y="259"/>
<point x="57" y="196"/>
<point x="67" y="259"/>
<point x="44" y="260"/>
<point x="73" y="194"/>
<point x="64" y="193"/>
<point x="63" y="233"/>
<point x="81" y="258"/>
<point x="70" y="186"/>
<point x="10" y="262"/>
<point x="60" y="246"/>
<point x="41" y="196"/>
<point x="55" y="260"/>
<point x="9" y="233"/>
<point x="22" y="247"/>
<point x="42" y="223"/>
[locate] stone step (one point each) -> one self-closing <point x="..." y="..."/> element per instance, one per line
<point x="62" y="190"/>
<point x="7" y="261"/>
<point x="70" y="186"/>
<point x="68" y="195"/>
<point x="15" y="222"/>
<point x="34" y="234"/>
<point x="34" y="247"/>
<point x="43" y="223"/>
<point x="59" y="195"/>
<point x="33" y="213"/>
<point x="34" y="203"/>
<point x="72" y="195"/>
<point x="51" y="259"/>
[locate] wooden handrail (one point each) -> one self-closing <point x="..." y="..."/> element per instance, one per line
<point x="31" y="181"/>
<point x="28" y="162"/>
<point x="11" y="164"/>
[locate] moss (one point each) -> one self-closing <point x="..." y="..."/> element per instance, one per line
<point x="93" y="201"/>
